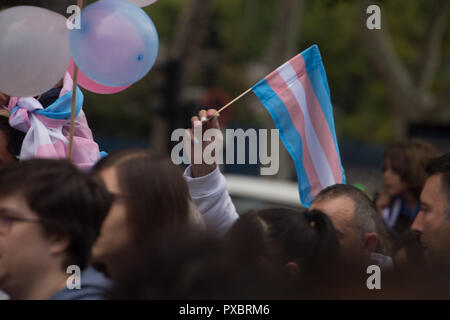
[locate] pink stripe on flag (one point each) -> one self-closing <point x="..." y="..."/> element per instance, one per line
<point x="52" y="151"/>
<point x="317" y="117"/>
<point x="280" y="87"/>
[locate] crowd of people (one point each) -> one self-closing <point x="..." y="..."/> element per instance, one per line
<point x="139" y="227"/>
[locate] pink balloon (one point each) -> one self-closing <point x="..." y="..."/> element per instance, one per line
<point x="91" y="85"/>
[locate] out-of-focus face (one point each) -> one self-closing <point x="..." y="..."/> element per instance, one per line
<point x="4" y="99"/>
<point x="393" y="184"/>
<point x="432" y="222"/>
<point x="5" y="157"/>
<point x="115" y="234"/>
<point x="25" y="251"/>
<point x="341" y="211"/>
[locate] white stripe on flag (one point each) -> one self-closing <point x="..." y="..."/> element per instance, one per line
<point x="318" y="156"/>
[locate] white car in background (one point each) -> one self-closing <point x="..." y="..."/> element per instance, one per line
<point x="256" y="192"/>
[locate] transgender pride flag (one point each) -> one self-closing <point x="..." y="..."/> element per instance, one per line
<point x="298" y="99"/>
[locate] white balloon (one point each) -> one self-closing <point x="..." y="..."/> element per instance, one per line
<point x="142" y="3"/>
<point x="34" y="50"/>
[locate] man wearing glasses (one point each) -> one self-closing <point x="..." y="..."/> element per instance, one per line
<point x="50" y="215"/>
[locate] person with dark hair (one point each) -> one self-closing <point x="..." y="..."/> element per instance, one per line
<point x="356" y="221"/>
<point x="403" y="178"/>
<point x="44" y="122"/>
<point x="10" y="142"/>
<point x="398" y="202"/>
<point x="351" y="211"/>
<point x="50" y="216"/>
<point x="185" y="264"/>
<point x="150" y="195"/>
<point x="275" y="253"/>
<point x="295" y="240"/>
<point x="299" y="244"/>
<point x="11" y="139"/>
<point x="4" y="99"/>
<point x="432" y="224"/>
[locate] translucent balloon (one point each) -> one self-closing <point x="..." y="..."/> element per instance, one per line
<point x="142" y="3"/>
<point x="91" y="85"/>
<point x="34" y="50"/>
<point x="117" y="44"/>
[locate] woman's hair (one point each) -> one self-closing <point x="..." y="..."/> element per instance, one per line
<point x="277" y="236"/>
<point x="409" y="160"/>
<point x="188" y="263"/>
<point x="248" y="263"/>
<point x="156" y="194"/>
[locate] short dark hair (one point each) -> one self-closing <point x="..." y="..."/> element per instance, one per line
<point x="67" y="202"/>
<point x="441" y="165"/>
<point x="14" y="137"/>
<point x="156" y="194"/>
<point x="366" y="215"/>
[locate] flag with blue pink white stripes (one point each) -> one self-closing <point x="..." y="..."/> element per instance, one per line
<point x="298" y="98"/>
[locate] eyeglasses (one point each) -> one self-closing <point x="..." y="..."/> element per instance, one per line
<point x="6" y="220"/>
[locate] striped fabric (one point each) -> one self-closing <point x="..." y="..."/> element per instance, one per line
<point x="298" y="98"/>
<point x="47" y="130"/>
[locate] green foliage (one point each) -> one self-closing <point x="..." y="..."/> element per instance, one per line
<point x="358" y="96"/>
<point x="243" y="29"/>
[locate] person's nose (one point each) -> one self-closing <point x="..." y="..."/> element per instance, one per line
<point x="388" y="172"/>
<point x="417" y="225"/>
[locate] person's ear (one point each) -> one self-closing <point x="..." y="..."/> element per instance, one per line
<point x="292" y="269"/>
<point x="58" y="244"/>
<point x="369" y="244"/>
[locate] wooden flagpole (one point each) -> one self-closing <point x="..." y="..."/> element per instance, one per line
<point x="229" y="104"/>
<point x="74" y="98"/>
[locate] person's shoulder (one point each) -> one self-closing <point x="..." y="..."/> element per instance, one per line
<point x="384" y="262"/>
<point x="93" y="285"/>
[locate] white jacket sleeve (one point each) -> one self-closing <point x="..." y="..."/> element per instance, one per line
<point x="209" y="194"/>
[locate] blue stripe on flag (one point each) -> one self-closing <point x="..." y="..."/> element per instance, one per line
<point x="288" y="134"/>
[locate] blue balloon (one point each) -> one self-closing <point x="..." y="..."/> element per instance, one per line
<point x="117" y="43"/>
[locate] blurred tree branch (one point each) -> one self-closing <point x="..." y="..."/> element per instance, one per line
<point x="429" y="58"/>
<point x="187" y="42"/>
<point x="410" y="100"/>
<point x="189" y="35"/>
<point x="283" y="39"/>
<point x="282" y="46"/>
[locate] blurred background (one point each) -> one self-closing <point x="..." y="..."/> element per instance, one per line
<point x="386" y="85"/>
